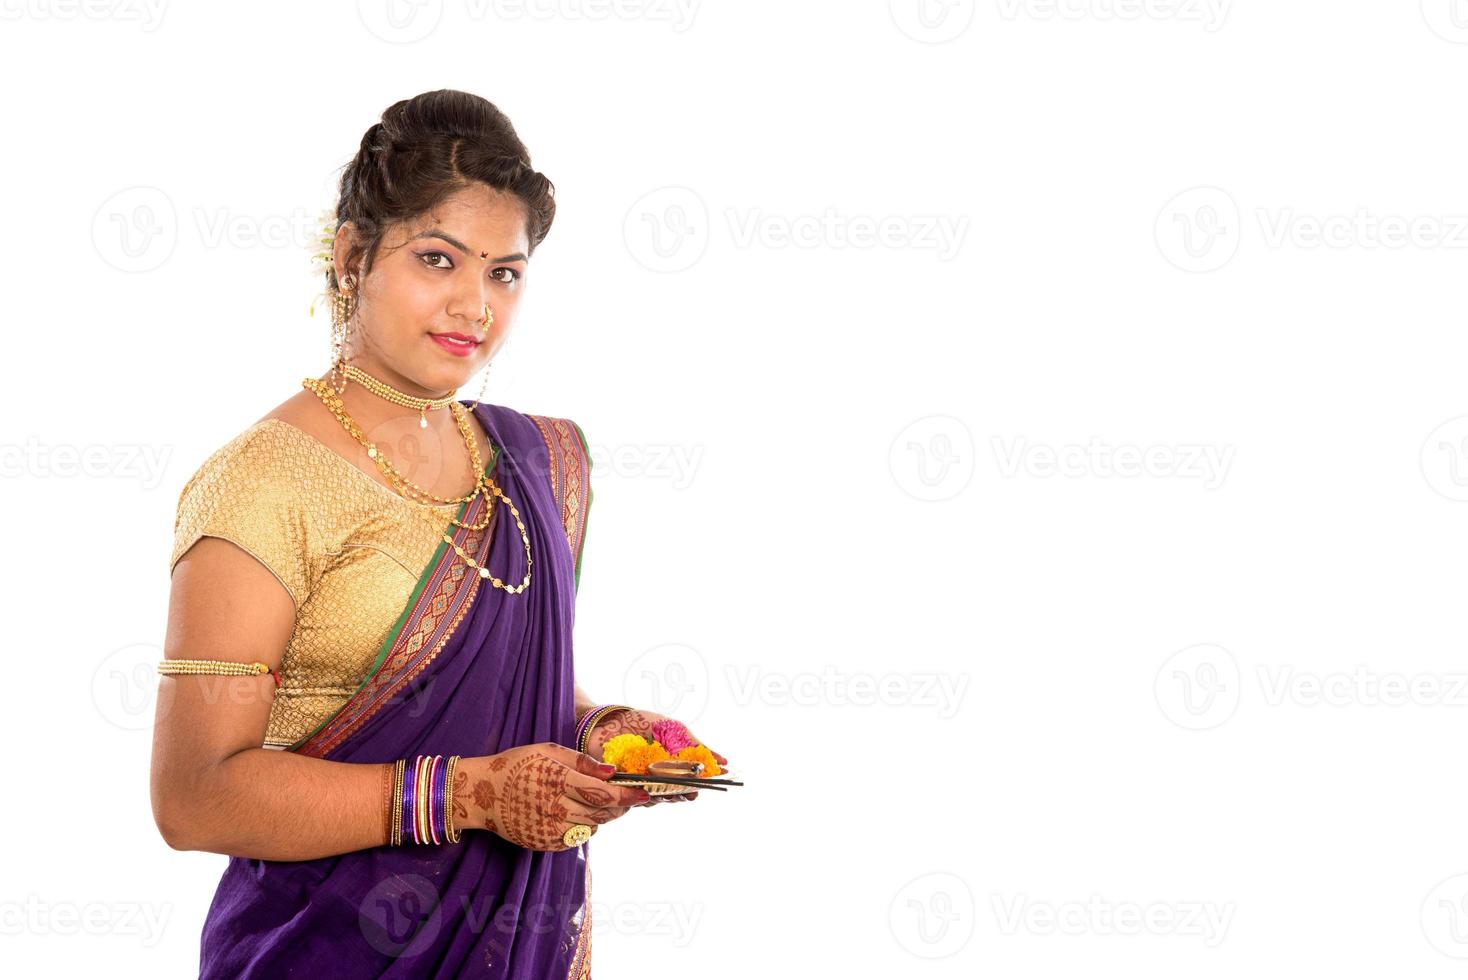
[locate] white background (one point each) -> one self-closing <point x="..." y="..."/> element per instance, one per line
<point x="1202" y="719"/>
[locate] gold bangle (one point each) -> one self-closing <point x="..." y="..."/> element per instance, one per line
<point x="420" y="802"/>
<point x="448" y="802"/>
<point x="225" y="667"/>
<point x="397" y="802"/>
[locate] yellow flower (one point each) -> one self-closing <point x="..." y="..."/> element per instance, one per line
<point x="636" y="758"/>
<point x="617" y="746"/>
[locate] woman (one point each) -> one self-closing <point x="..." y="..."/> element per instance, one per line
<point x="404" y="566"/>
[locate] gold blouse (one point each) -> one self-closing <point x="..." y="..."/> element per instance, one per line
<point x="341" y="543"/>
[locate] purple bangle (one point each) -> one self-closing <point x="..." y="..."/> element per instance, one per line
<point x="409" y="783"/>
<point x="435" y="799"/>
<point x="443" y="791"/>
<point x="425" y="800"/>
<point x="591" y="718"/>
<point x="417" y="801"/>
<point x="586" y="720"/>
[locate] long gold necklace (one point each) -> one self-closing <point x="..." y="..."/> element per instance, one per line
<point x="333" y="402"/>
<point x="405" y="486"/>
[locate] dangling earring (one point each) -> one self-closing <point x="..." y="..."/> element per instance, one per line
<point x="488" y="319"/>
<point x="341" y="330"/>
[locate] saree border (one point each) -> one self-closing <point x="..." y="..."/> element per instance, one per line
<point x="439" y="601"/>
<point x="569" y="463"/>
<point x="581" y="961"/>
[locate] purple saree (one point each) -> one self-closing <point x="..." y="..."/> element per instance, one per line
<point x="471" y="670"/>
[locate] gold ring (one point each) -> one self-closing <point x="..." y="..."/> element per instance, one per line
<point x="576" y="836"/>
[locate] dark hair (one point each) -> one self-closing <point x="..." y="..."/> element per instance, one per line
<point x="425" y="149"/>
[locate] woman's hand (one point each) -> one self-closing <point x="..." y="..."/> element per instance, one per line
<point x="531" y="795"/>
<point x="640" y="722"/>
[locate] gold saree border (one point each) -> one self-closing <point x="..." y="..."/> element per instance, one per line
<point x="569" y="462"/>
<point x="581" y="962"/>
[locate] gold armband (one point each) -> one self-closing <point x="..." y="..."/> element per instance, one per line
<point x="226" y="667"/>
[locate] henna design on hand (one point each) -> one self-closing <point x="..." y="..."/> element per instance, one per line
<point x="484" y="799"/>
<point x="596" y="796"/>
<point x="620" y="722"/>
<point x="532" y="805"/>
<point x="457" y="795"/>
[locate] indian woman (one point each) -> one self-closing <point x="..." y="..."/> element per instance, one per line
<point x="368" y="698"/>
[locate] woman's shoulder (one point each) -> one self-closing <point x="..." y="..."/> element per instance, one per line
<point x="278" y="443"/>
<point x="253" y="491"/>
<point x="265" y="453"/>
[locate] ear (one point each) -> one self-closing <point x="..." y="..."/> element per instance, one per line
<point x="341" y="247"/>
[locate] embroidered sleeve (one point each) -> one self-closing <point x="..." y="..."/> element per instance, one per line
<point x="245" y="494"/>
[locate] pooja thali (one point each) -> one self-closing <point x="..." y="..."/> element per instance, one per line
<point x="671" y="777"/>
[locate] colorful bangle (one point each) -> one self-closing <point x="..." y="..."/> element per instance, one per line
<point x="436" y="797"/>
<point x="450" y="834"/>
<point x="420" y="801"/>
<point x="423" y="800"/>
<point x="409" y="784"/>
<point x="595" y="715"/>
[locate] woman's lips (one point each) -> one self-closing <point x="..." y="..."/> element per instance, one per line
<point x="453" y="346"/>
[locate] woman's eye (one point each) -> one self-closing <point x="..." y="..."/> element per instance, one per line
<point x="514" y="276"/>
<point x="425" y="256"/>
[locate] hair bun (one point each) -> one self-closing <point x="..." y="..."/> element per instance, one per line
<point x="426" y="148"/>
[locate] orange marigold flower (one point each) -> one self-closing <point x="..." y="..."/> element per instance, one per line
<point x="701" y="753"/>
<point x="614" y="748"/>
<point x="636" y="758"/>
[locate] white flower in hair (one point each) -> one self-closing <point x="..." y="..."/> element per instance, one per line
<point x="322" y="251"/>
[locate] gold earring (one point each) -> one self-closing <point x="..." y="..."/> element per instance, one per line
<point x="341" y="330"/>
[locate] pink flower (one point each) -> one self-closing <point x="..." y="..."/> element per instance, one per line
<point x="673" y="736"/>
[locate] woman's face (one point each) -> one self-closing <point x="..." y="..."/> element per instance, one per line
<point x="435" y="275"/>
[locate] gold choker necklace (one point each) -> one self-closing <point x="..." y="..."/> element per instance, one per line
<point x="384" y="390"/>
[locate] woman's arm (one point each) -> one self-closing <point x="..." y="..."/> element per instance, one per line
<point x="583" y="704"/>
<point x="213" y="787"/>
